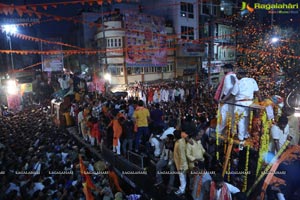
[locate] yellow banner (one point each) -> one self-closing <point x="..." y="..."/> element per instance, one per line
<point x="26" y="87"/>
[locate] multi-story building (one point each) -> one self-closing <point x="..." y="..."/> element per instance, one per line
<point x="135" y="46"/>
<point x="219" y="35"/>
<point x="184" y="17"/>
<point x="165" y="39"/>
<point x="203" y="34"/>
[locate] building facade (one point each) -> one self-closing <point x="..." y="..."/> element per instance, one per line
<point x="166" y="39"/>
<point x="135" y="47"/>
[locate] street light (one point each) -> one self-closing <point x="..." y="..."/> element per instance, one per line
<point x="12" y="87"/>
<point x="274" y="39"/>
<point x="10" y="29"/>
<point x="107" y="77"/>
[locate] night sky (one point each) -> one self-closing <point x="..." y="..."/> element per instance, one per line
<point x="48" y="28"/>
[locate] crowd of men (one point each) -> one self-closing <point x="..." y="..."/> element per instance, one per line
<point x="177" y="130"/>
<point x="173" y="124"/>
<point x="40" y="161"/>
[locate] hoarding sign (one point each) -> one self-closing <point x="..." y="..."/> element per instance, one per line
<point x="145" y="40"/>
<point x="52" y="62"/>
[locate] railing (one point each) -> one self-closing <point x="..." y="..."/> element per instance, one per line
<point x="136" y="159"/>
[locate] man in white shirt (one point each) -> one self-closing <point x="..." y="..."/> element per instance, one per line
<point x="182" y="95"/>
<point x="156" y="143"/>
<point x="64" y="82"/>
<point x="80" y="120"/>
<point x="279" y="134"/>
<point x="227" y="84"/>
<point x="244" y="91"/>
<point x="168" y="131"/>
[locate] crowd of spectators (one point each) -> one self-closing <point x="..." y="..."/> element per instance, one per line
<point x="172" y="124"/>
<point x="166" y="108"/>
<point x="148" y="127"/>
<point x="40" y="161"/>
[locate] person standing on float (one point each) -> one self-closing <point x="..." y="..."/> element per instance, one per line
<point x="224" y="89"/>
<point x="244" y="91"/>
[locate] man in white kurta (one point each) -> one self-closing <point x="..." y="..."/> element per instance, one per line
<point x="244" y="91"/>
<point x="227" y="109"/>
<point x="182" y="95"/>
<point x="279" y="134"/>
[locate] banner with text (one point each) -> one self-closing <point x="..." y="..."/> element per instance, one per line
<point x="54" y="62"/>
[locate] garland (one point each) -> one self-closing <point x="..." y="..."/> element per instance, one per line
<point x="236" y="121"/>
<point x="229" y="121"/>
<point x="246" y="170"/>
<point x="228" y="124"/>
<point x="264" y="142"/>
<point x="250" y="121"/>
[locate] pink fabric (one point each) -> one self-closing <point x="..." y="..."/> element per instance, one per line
<point x="218" y="93"/>
<point x="225" y="194"/>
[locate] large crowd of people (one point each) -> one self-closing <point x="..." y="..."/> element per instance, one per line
<point x="174" y="124"/>
<point x="40" y="161"/>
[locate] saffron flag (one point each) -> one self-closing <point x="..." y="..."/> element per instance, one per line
<point x="87" y="181"/>
<point x="87" y="192"/>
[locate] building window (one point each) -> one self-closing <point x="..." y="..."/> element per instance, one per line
<point x="129" y="71"/>
<point x="169" y="44"/>
<point x="136" y="70"/>
<point x="146" y="69"/>
<point x="169" y="68"/>
<point x="186" y="10"/>
<point x="115" y="42"/>
<point x="116" y="70"/>
<point x="187" y="32"/>
<point x="206" y="9"/>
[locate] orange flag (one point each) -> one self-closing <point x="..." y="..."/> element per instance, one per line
<point x="87" y="192"/>
<point x="86" y="177"/>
